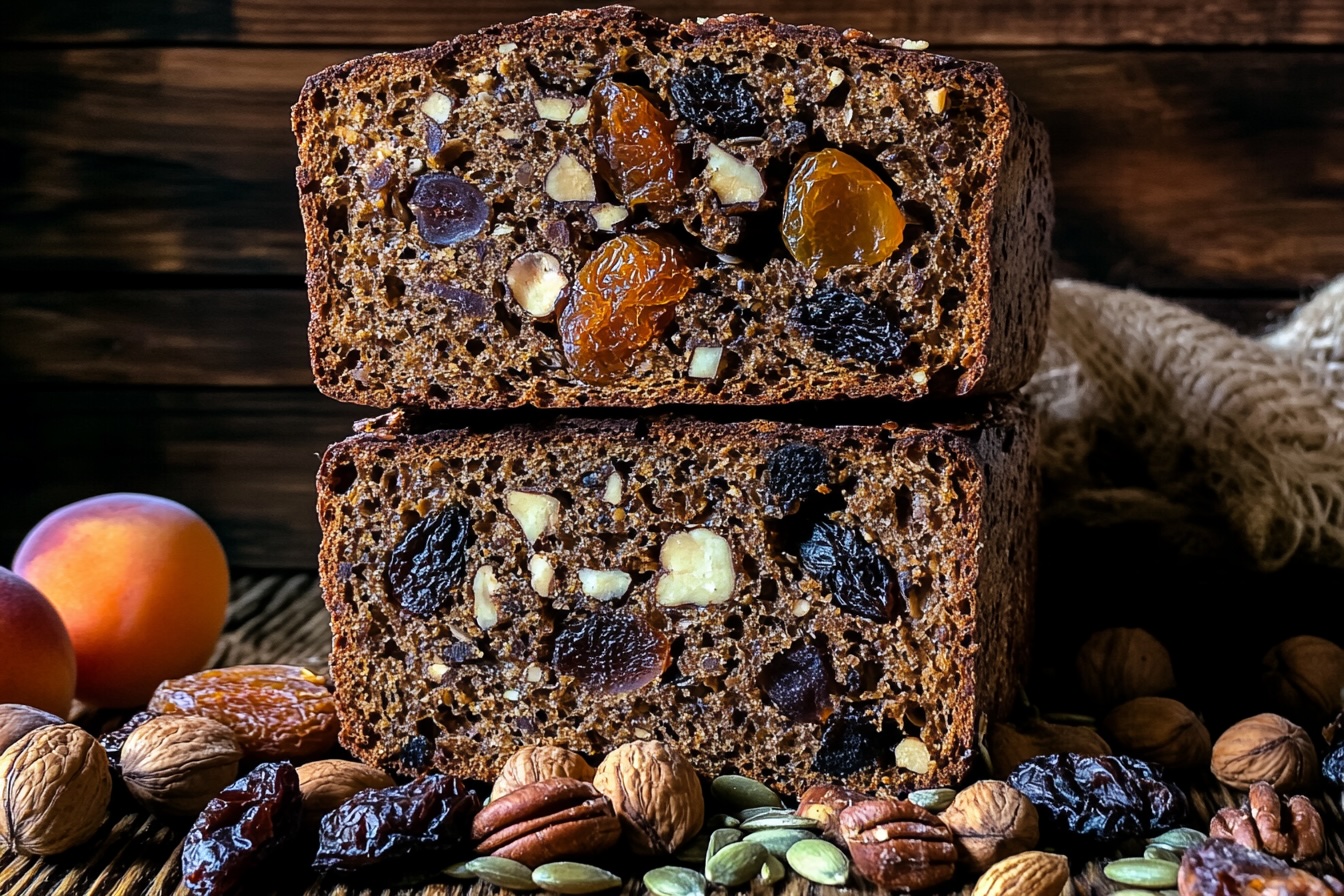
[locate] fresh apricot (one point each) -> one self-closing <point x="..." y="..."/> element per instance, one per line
<point x="39" y="663"/>
<point x="142" y="585"/>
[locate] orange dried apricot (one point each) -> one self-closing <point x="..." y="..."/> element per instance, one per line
<point x="837" y="211"/>
<point x="622" y="299"/>
<point x="636" y="154"/>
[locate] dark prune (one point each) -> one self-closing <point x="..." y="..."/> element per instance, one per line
<point x="458" y="302"/>
<point x="799" y="683"/>
<point x="1099" y="799"/>
<point x="448" y="209"/>
<point x="718" y="104"/>
<point x="424" y="820"/>
<point x="114" y="740"/>
<point x="1333" y="766"/>
<point x="1226" y="868"/>
<point x="431" y="561"/>
<point x="612" y="652"/>
<point x="849" y="744"/>
<point x="851" y="569"/>
<point x="238" y="830"/>
<point x="843" y="325"/>
<point x="795" y="471"/>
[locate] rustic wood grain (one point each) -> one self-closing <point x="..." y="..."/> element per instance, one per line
<point x="414" y="22"/>
<point x="1174" y="169"/>
<point x="280" y="618"/>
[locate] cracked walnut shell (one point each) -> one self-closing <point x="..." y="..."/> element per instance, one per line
<point x="55" y="786"/>
<point x="656" y="794"/>
<point x="531" y="764"/>
<point x="1268" y="748"/>
<point x="991" y="820"/>
<point x="1289" y="829"/>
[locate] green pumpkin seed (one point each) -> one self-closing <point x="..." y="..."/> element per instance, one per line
<point x="777" y="820"/>
<point x="1180" y="838"/>
<point x="772" y="872"/>
<point x="458" y="871"/>
<point x="758" y="811"/>
<point x="502" y="872"/>
<point x="1147" y="873"/>
<point x="1130" y="891"/>
<point x="721" y="838"/>
<point x="1163" y="854"/>
<point x="736" y="863"/>
<point x="735" y="792"/>
<point x="695" y="850"/>
<point x="714" y="822"/>
<point x="778" y="840"/>
<point x="674" y="881"/>
<point x="819" y="861"/>
<point x="574" y="878"/>
<point x="935" y="800"/>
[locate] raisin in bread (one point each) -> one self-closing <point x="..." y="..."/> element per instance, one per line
<point x="601" y="208"/>
<point x="788" y="602"/>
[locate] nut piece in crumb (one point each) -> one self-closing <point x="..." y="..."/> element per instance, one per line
<point x="607" y="215"/>
<point x="55" y="786"/>
<point x="536" y="513"/>
<point x="614" y="489"/>
<point x="991" y="820"/>
<point x="656" y="794"/>
<point x="535" y="281"/>
<point x="1265" y="747"/>
<point x="173" y="765"/>
<point x="483" y="588"/>
<point x="937" y="98"/>
<point x="604" y="584"/>
<point x="569" y="181"/>
<point x="580" y="115"/>
<point x="327" y="783"/>
<point x="539" y="763"/>
<point x="1119" y="664"/>
<point x="553" y="108"/>
<point x="705" y="362"/>
<point x="697" y="569"/>
<point x="733" y="180"/>
<point x="913" y="755"/>
<point x="437" y="106"/>
<point x="542" y="573"/>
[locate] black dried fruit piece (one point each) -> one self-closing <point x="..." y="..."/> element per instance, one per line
<point x="416" y="752"/>
<point x="238" y="830"/>
<point x="613" y="653"/>
<point x="1099" y="799"/>
<point x="1226" y="868"/>
<point x="849" y="744"/>
<point x="716" y="103"/>
<point x="457" y="301"/>
<point x="1332" y="768"/>
<point x="431" y="561"/>
<point x="843" y="325"/>
<point x="114" y="740"/>
<point x="795" y="471"/>
<point x="448" y="209"/>
<point x="799" y="683"/>
<point x="853" y="571"/>
<point x="422" y="821"/>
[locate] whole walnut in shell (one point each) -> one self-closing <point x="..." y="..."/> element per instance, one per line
<point x="991" y="820"/>
<point x="17" y="719"/>
<point x="1267" y="748"/>
<point x="327" y="783"/>
<point x="656" y="794"/>
<point x="1304" y="677"/>
<point x="55" y="786"/>
<point x="540" y="763"/>
<point x="1159" y="729"/>
<point x="1119" y="664"/>
<point x="1011" y="745"/>
<point x="175" y="764"/>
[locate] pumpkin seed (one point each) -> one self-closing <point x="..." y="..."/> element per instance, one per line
<point x="737" y="792"/>
<point x="673" y="881"/>
<point x="935" y="800"/>
<point x="714" y="822"/>
<point x="721" y="838"/>
<point x="502" y="872"/>
<point x="778" y="840"/>
<point x="776" y="820"/>
<point x="1163" y="854"/>
<point x="758" y="811"/>
<point x="772" y="872"/>
<point x="736" y="863"/>
<point x="1147" y="873"/>
<point x="819" y="861"/>
<point x="458" y="871"/>
<point x="574" y="878"/>
<point x="1180" y="838"/>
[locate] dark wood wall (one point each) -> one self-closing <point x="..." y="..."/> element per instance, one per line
<point x="152" y="314"/>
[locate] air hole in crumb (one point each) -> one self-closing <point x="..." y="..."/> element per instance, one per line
<point x="341" y="478"/>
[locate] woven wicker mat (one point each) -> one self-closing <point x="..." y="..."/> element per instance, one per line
<point x="281" y="619"/>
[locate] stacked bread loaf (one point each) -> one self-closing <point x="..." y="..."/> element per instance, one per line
<point x="596" y="210"/>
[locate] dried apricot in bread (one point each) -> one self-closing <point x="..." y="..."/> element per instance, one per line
<point x="836" y="216"/>
<point x="785" y="601"/>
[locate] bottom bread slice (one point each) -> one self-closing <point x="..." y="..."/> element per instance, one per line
<point x="791" y="603"/>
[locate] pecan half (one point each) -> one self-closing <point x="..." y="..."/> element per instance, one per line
<point x="898" y="845"/>
<point x="552" y="819"/>
<point x="1289" y="830"/>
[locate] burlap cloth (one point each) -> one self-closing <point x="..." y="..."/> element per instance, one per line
<point x="1153" y="413"/>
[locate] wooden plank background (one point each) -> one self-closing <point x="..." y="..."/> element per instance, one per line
<point x="152" y="314"/>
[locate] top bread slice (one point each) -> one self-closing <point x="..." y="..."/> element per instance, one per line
<point x="424" y="177"/>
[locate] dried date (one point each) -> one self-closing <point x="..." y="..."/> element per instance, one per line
<point x="419" y="822"/>
<point x="853" y="571"/>
<point x="795" y="470"/>
<point x="430" y="562"/>
<point x="1099" y="799"/>
<point x="249" y="821"/>
<point x="1225" y="868"/>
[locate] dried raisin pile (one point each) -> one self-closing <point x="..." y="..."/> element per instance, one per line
<point x="248" y="822"/>
<point x="431" y="561"/>
<point x="421" y="822"/>
<point x="1099" y="799"/>
<point x="837" y="211"/>
<point x="852" y="570"/>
